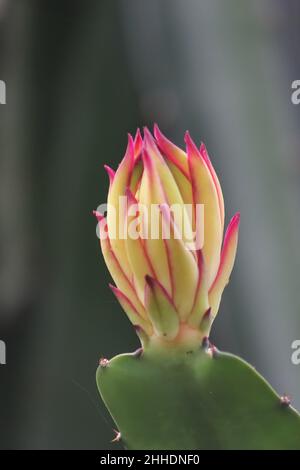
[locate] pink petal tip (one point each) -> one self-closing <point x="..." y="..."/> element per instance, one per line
<point x="110" y="172"/>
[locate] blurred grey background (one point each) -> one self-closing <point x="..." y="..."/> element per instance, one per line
<point x="79" y="75"/>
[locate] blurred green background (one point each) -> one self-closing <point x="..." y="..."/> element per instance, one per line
<point x="79" y="75"/>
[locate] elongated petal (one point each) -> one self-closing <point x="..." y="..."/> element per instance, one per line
<point x="185" y="188"/>
<point x="116" y="215"/>
<point x="173" y="153"/>
<point x="164" y="188"/>
<point x="182" y="264"/>
<point x="226" y="263"/>
<point x="115" y="269"/>
<point x="201" y="304"/>
<point x="178" y="164"/>
<point x="138" y="143"/>
<point x="161" y="310"/>
<point x="184" y="185"/>
<point x="135" y="249"/>
<point x="215" y="178"/>
<point x="204" y="192"/>
<point x="151" y="194"/>
<point x="156" y="165"/>
<point x="111" y="173"/>
<point x="136" y="175"/>
<point x="131" y="312"/>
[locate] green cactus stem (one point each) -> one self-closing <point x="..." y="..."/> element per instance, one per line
<point x="199" y="399"/>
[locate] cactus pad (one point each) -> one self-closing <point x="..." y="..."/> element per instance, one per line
<point x="202" y="399"/>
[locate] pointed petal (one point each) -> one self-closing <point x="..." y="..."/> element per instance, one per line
<point x="201" y="304"/>
<point x="184" y="185"/>
<point x="115" y="213"/>
<point x="158" y="186"/>
<point x="173" y="153"/>
<point x="138" y="143"/>
<point x="161" y="310"/>
<point x="136" y="175"/>
<point x="130" y="310"/>
<point x="115" y="269"/>
<point x="151" y="194"/>
<point x="110" y="172"/>
<point x="182" y="265"/>
<point x="226" y="263"/>
<point x="165" y="187"/>
<point x="135" y="249"/>
<point x="185" y="188"/>
<point x="215" y="178"/>
<point x="204" y="192"/>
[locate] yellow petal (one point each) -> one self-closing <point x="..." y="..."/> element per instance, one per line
<point x="160" y="172"/>
<point x="226" y="264"/>
<point x="158" y="186"/>
<point x="115" y="269"/>
<point x="135" y="249"/>
<point x="182" y="265"/>
<point x="115" y="215"/>
<point x="151" y="193"/>
<point x="204" y="192"/>
<point x="200" y="305"/>
<point x="183" y="184"/>
<point x="215" y="178"/>
<point x="173" y="153"/>
<point x="136" y="176"/>
<point x="178" y="165"/>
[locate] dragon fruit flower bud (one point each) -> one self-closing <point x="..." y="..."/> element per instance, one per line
<point x="169" y="269"/>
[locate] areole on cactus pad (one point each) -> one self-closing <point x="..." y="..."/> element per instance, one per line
<point x="171" y="288"/>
